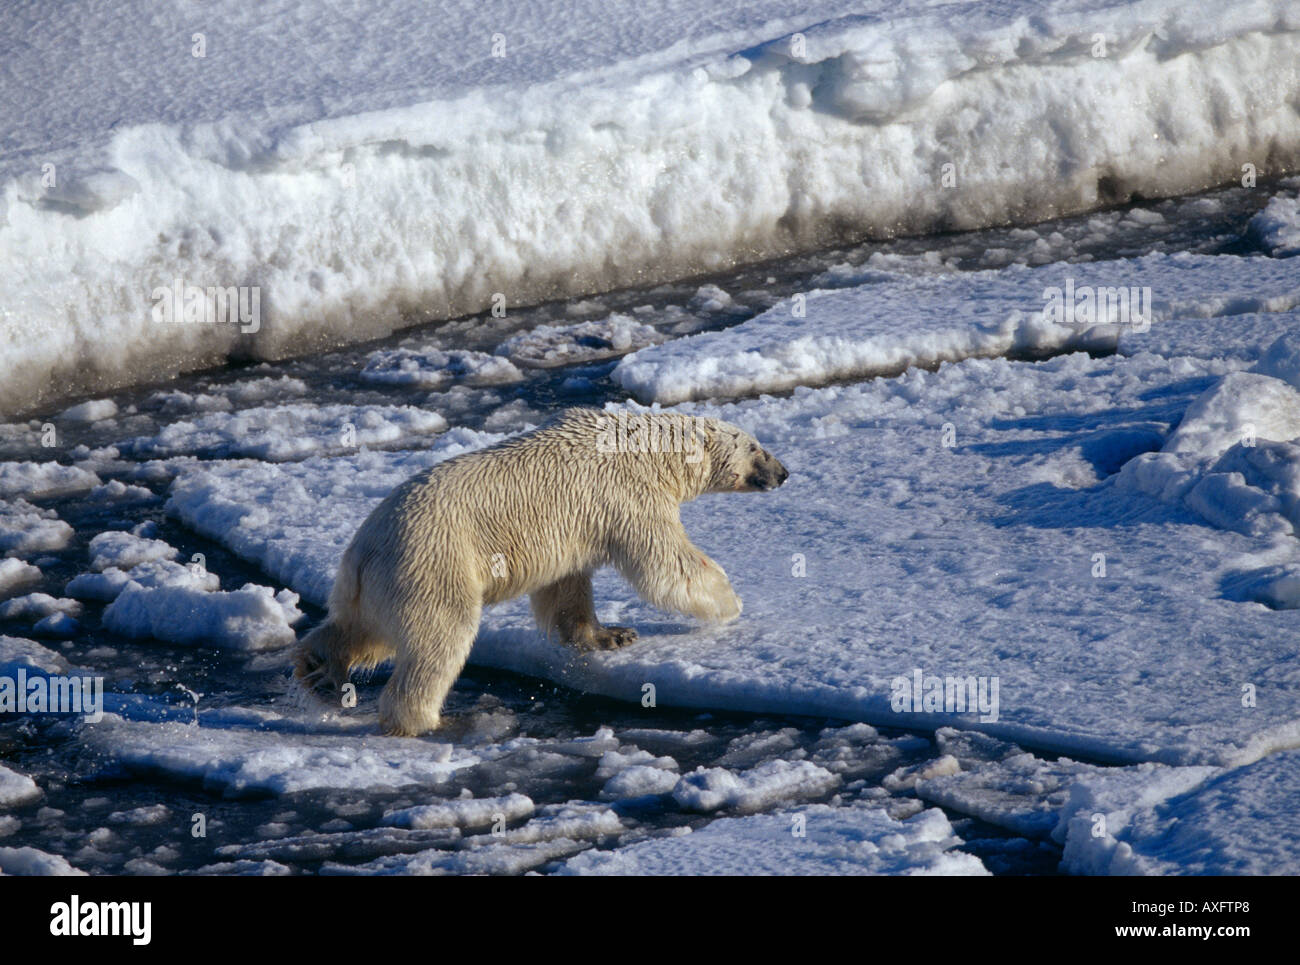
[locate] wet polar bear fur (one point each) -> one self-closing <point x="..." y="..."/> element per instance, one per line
<point x="536" y="514"/>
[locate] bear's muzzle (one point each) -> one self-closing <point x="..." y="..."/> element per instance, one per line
<point x="768" y="473"/>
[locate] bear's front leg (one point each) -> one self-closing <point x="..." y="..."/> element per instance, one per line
<point x="566" y="607"/>
<point x="673" y="573"/>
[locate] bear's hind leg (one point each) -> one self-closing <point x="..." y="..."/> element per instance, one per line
<point x="566" y="607"/>
<point x="328" y="654"/>
<point x="429" y="659"/>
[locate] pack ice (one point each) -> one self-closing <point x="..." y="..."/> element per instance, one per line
<point x="1110" y="539"/>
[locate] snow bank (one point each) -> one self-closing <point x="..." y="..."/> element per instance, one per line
<point x="834" y="841"/>
<point x="342" y="182"/>
<point x="977" y="495"/>
<point x="895" y="321"/>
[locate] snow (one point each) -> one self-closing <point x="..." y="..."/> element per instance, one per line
<point x="36" y="480"/>
<point x="118" y="550"/>
<point x="1232" y="462"/>
<point x="153" y="814"/>
<point x="369" y="843"/>
<point x="34" y="606"/>
<point x="16" y="789"/>
<point x="468" y="813"/>
<point x="19" y="653"/>
<point x="557" y="831"/>
<point x="434" y="369"/>
<point x="638" y="780"/>
<point x="896" y="321"/>
<point x="14" y="573"/>
<point x="291" y="431"/>
<point x="550" y="345"/>
<point x="1235" y="338"/>
<point x="237" y="761"/>
<point x="660" y="139"/>
<point x="715" y="788"/>
<point x="839" y="841"/>
<point x="1240" y="822"/>
<point x="33" y="861"/>
<point x="1276" y="229"/>
<point x="1241" y="404"/>
<point x="250" y="618"/>
<point x="106" y="586"/>
<point x="26" y="530"/>
<point x="94" y="410"/>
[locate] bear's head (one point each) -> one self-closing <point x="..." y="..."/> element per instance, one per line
<point x="737" y="463"/>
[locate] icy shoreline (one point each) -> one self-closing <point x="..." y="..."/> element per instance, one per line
<point x="539" y="181"/>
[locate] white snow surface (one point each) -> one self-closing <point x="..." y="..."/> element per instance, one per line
<point x="835" y="841"/>
<point x="345" y="161"/>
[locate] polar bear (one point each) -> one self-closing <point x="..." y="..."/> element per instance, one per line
<point x="534" y="514"/>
